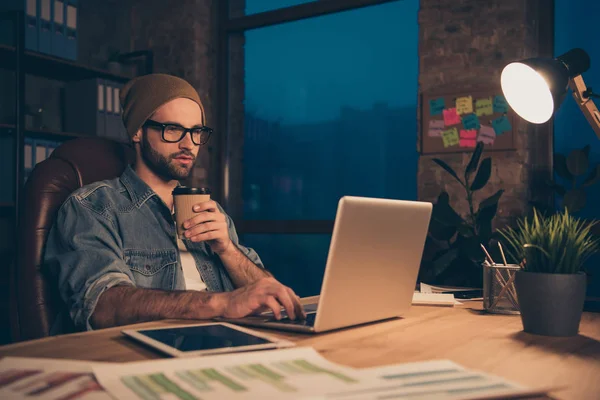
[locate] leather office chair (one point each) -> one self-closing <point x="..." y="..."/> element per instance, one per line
<point x="35" y="301"/>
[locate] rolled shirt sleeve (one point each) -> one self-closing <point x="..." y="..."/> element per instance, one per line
<point x="84" y="252"/>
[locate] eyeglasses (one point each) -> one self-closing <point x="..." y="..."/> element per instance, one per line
<point x="172" y="133"/>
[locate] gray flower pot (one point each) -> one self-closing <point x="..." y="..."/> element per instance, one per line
<point x="551" y="304"/>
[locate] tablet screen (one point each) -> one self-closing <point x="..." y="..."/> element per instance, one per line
<point x="204" y="337"/>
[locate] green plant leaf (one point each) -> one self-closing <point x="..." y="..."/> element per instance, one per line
<point x="448" y="169"/>
<point x="465" y="230"/>
<point x="493" y="199"/>
<point x="474" y="161"/>
<point x="483" y="174"/>
<point x="488" y="213"/>
<point x="593" y="177"/>
<point x="560" y="166"/>
<point x="441" y="231"/>
<point x="441" y="263"/>
<point x="577" y="162"/>
<point x="444" y="213"/>
<point x="471" y="248"/>
<point x="484" y="230"/>
<point x="574" y="200"/>
<point x="586" y="151"/>
<point x="559" y="189"/>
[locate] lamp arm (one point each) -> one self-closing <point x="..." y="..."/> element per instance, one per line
<point x="582" y="96"/>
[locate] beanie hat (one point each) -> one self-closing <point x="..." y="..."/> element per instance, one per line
<point x="143" y="95"/>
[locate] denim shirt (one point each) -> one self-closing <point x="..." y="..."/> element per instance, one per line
<point x="120" y="232"/>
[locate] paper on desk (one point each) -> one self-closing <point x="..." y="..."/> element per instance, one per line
<point x="438" y="379"/>
<point x="425" y="288"/>
<point x="43" y="378"/>
<point x="287" y="373"/>
<point x="434" y="299"/>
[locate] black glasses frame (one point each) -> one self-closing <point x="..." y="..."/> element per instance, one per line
<point x="156" y="124"/>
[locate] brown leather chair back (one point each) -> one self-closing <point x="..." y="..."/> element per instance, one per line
<point x="78" y="162"/>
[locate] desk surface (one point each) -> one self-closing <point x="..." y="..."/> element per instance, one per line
<point x="492" y="343"/>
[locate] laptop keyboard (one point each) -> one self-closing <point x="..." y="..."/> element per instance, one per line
<point x="309" y="321"/>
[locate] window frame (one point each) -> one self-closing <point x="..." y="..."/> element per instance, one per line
<point x="230" y="174"/>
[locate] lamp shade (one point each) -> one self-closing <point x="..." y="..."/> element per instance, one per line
<point x="535" y="87"/>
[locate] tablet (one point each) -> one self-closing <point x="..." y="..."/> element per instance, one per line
<point x="205" y="339"/>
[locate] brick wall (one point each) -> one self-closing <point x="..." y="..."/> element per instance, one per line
<point x="465" y="44"/>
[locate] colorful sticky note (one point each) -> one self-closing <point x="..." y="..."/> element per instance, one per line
<point x="500" y="104"/>
<point x="436" y="126"/>
<point x="501" y="125"/>
<point x="468" y="134"/>
<point x="450" y="137"/>
<point x="487" y="135"/>
<point x="470" y="121"/>
<point x="484" y="107"/>
<point x="451" y="117"/>
<point x="464" y="105"/>
<point x="436" y="106"/>
<point x="467" y="143"/>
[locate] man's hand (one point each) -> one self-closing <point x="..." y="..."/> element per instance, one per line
<point x="209" y="226"/>
<point x="266" y="293"/>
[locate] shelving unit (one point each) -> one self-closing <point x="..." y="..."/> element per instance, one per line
<point x="25" y="62"/>
<point x="54" y="68"/>
<point x="22" y="63"/>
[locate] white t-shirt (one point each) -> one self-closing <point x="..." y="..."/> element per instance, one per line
<point x="193" y="280"/>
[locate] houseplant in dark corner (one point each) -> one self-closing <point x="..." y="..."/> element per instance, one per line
<point x="552" y="284"/>
<point x="458" y="258"/>
<point x="575" y="173"/>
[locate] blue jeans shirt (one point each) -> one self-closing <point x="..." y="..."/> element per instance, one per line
<point x="120" y="232"/>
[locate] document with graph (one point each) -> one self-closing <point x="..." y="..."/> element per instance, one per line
<point x="48" y="379"/>
<point x="287" y="373"/>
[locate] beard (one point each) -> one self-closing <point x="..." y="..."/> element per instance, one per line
<point x="164" y="166"/>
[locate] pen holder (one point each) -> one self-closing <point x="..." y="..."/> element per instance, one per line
<point x="499" y="294"/>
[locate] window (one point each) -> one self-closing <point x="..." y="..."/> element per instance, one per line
<point x="329" y="109"/>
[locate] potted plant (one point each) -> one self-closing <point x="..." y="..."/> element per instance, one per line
<point x="457" y="238"/>
<point x="551" y="285"/>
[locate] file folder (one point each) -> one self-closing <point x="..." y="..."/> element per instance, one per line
<point x="32" y="23"/>
<point x="46" y="26"/>
<point x="59" y="39"/>
<point x="71" y="29"/>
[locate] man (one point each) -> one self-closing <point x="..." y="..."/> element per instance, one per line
<point x="114" y="247"/>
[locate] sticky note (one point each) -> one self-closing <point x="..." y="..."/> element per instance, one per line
<point x="501" y="125"/>
<point x="484" y="107"/>
<point x="464" y="105"/>
<point x="436" y="126"/>
<point x="468" y="134"/>
<point x="436" y="106"/>
<point x="451" y="117"/>
<point x="450" y="137"/>
<point x="487" y="135"/>
<point x="467" y="143"/>
<point x="500" y="104"/>
<point x="470" y="121"/>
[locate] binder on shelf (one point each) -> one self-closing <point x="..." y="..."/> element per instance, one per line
<point x="46" y="22"/>
<point x="71" y="29"/>
<point x="40" y="151"/>
<point x="114" y="127"/>
<point x="59" y="38"/>
<point x="122" y="133"/>
<point x="32" y="23"/>
<point x="85" y="107"/>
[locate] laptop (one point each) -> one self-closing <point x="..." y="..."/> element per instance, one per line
<point x="372" y="266"/>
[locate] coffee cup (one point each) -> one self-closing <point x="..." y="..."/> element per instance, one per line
<point x="185" y="198"/>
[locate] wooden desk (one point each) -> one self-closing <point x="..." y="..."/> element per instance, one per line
<point x="463" y="334"/>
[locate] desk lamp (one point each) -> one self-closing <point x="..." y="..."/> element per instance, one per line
<point x="535" y="87"/>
